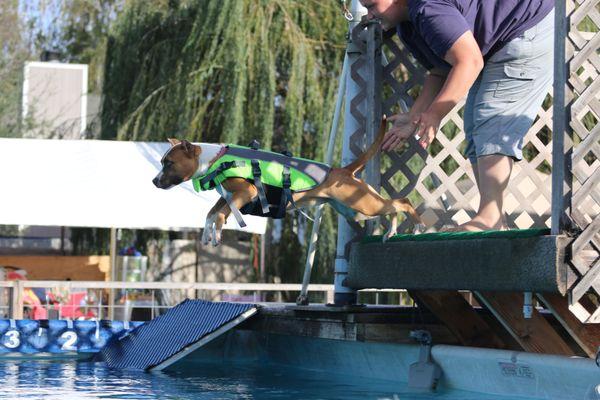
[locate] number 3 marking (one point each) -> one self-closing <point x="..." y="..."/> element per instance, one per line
<point x="11" y="339"/>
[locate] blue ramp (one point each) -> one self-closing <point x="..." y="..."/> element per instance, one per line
<point x="171" y="336"/>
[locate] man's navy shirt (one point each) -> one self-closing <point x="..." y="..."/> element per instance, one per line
<point x="435" y="25"/>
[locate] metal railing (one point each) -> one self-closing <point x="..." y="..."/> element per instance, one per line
<point x="146" y="300"/>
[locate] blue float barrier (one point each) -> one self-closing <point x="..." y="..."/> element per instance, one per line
<point x="59" y="336"/>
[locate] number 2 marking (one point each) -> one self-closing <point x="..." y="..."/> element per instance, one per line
<point x="70" y="338"/>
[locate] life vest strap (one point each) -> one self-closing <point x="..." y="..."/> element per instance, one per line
<point x="287" y="196"/>
<point x="234" y="210"/>
<point x="210" y="178"/>
<point x="286" y="192"/>
<point x="262" y="196"/>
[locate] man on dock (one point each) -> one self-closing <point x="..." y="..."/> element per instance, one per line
<point x="500" y="52"/>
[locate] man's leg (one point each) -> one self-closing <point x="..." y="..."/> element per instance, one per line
<point x="492" y="174"/>
<point x="513" y="84"/>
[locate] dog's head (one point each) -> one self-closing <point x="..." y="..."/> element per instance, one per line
<point x="179" y="164"/>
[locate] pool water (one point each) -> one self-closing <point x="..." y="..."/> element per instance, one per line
<point x="69" y="379"/>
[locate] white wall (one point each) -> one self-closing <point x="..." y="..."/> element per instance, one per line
<point x="55" y="99"/>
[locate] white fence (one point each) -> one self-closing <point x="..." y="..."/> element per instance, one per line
<point x="145" y="300"/>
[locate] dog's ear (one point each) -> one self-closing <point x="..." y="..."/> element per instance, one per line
<point x="188" y="148"/>
<point x="173" y="141"/>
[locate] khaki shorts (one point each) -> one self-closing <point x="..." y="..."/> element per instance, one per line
<point x="507" y="95"/>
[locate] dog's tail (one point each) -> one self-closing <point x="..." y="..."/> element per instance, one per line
<point x="361" y="161"/>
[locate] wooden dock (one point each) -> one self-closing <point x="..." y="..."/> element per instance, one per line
<point x="555" y="186"/>
<point x="499" y="268"/>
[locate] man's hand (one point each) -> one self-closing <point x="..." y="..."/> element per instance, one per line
<point x="402" y="129"/>
<point x="428" y="125"/>
<point x="424" y="128"/>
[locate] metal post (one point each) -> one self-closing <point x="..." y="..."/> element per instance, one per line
<point x="153" y="305"/>
<point x="197" y="250"/>
<point x="527" y="305"/>
<point x="344" y="295"/>
<point x="559" y="118"/>
<point x="99" y="304"/>
<point x="126" y="307"/>
<point x="312" y="247"/>
<point x="373" y="112"/>
<point x="113" y="272"/>
<point x="263" y="273"/>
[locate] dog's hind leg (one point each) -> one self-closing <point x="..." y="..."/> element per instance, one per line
<point x="393" y="227"/>
<point x="352" y="215"/>
<point x="358" y="164"/>
<point x="362" y="198"/>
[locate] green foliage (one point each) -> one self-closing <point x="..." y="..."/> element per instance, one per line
<point x="224" y="70"/>
<point x="13" y="53"/>
<point x="230" y="71"/>
<point x="587" y="24"/>
<point x="76" y="29"/>
<point x="90" y="241"/>
<point x="83" y="32"/>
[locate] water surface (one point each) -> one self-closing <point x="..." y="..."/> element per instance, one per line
<point x="69" y="379"/>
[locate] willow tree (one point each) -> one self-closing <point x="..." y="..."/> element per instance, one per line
<point x="229" y="71"/>
<point x="14" y="51"/>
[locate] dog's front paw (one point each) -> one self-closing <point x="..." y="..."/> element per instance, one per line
<point x="207" y="231"/>
<point x="419" y="228"/>
<point x="386" y="236"/>
<point x="216" y="236"/>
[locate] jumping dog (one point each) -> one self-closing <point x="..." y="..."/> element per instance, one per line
<point x="351" y="196"/>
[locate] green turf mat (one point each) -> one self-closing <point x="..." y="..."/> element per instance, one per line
<point x="510" y="234"/>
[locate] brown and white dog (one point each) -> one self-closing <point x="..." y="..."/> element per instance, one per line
<point x="185" y="160"/>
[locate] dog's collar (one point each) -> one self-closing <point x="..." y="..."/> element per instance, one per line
<point x="220" y="154"/>
<point x="205" y="166"/>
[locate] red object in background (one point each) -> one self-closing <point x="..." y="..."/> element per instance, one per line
<point x="74" y="307"/>
<point x="33" y="302"/>
<point x="30" y="299"/>
<point x="15" y="274"/>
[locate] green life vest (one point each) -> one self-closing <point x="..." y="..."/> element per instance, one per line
<point x="275" y="175"/>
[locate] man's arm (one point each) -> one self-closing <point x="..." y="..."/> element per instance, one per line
<point x="405" y="123"/>
<point x="467" y="62"/>
<point x="434" y="81"/>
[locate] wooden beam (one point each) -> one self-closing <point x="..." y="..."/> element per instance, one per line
<point x="532" y="264"/>
<point x="451" y="308"/>
<point x="587" y="336"/>
<point x="75" y="268"/>
<point x="535" y="335"/>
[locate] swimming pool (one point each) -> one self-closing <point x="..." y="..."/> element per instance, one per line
<point x="264" y="361"/>
<point x="69" y="379"/>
